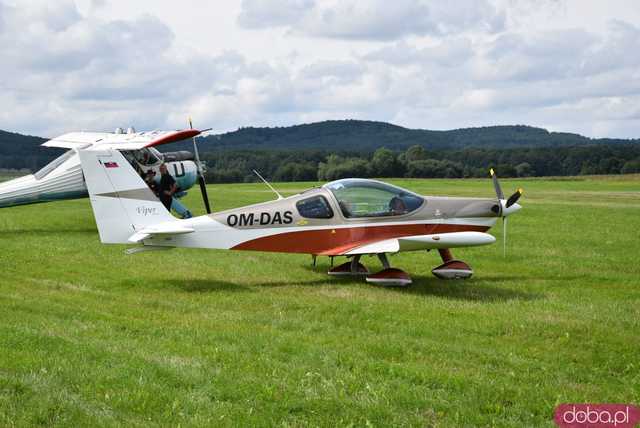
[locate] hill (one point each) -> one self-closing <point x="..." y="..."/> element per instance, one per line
<point x="354" y="136"/>
<point x="359" y="136"/>
<point x="19" y="151"/>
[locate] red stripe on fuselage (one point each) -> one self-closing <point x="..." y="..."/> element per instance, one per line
<point x="333" y="242"/>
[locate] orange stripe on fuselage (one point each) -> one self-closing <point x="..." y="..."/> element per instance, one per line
<point x="333" y="242"/>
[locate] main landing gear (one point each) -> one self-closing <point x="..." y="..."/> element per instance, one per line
<point x="451" y="268"/>
<point x="350" y="268"/>
<point x="390" y="277"/>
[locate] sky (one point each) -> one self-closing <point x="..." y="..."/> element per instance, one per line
<point x="569" y="66"/>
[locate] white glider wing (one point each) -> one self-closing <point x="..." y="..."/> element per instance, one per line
<point x="75" y="140"/>
<point x="107" y="140"/>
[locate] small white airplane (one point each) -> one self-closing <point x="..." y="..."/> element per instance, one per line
<point x="62" y="178"/>
<point x="350" y="217"/>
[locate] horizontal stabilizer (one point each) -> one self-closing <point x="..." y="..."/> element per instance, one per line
<point x="159" y="229"/>
<point x="145" y="248"/>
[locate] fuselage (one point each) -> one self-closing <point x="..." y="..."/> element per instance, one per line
<point x="349" y="217"/>
<point x="318" y="222"/>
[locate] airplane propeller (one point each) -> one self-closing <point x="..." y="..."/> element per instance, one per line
<point x="514" y="198"/>
<point x="504" y="207"/>
<point x="203" y="185"/>
<point x="496" y="185"/>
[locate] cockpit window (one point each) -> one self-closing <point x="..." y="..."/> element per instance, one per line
<point x="53" y="164"/>
<point x="369" y="198"/>
<point x="316" y="207"/>
<point x="159" y="155"/>
<point x="146" y="156"/>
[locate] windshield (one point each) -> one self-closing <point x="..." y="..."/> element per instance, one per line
<point x="146" y="156"/>
<point x="369" y="198"/>
<point x="53" y="164"/>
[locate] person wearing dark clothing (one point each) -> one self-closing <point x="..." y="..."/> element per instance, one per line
<point x="167" y="187"/>
<point x="150" y="179"/>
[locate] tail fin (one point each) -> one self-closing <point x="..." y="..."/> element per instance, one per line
<point x="122" y="202"/>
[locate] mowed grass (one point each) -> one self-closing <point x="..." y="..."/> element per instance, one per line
<point x="92" y="337"/>
<point x="9" y="175"/>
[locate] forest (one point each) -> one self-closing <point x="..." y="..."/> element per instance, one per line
<point x="418" y="162"/>
<point x="351" y="148"/>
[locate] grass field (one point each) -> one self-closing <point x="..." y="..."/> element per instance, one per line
<point x="8" y="175"/>
<point x="91" y="337"/>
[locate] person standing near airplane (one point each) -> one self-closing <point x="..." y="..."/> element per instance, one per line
<point x="167" y="189"/>
<point x="150" y="179"/>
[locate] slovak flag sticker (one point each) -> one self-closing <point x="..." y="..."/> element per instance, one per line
<point x="110" y="165"/>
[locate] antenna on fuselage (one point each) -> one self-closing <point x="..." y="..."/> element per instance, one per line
<point x="269" y="185"/>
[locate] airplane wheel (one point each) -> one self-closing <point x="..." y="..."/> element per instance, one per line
<point x="453" y="269"/>
<point x="345" y="269"/>
<point x="390" y="277"/>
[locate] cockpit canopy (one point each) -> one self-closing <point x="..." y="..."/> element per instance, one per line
<point x="369" y="198"/>
<point x="142" y="159"/>
<point x="147" y="156"/>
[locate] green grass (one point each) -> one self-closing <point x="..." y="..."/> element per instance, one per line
<point x="10" y="175"/>
<point x="91" y="337"/>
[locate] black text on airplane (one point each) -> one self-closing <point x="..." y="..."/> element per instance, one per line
<point x="262" y="219"/>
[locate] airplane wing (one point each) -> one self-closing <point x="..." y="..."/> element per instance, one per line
<point x="75" y="140"/>
<point x="107" y="140"/>
<point x="424" y="242"/>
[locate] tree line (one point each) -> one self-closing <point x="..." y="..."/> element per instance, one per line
<point x="418" y="162"/>
<point x="304" y="152"/>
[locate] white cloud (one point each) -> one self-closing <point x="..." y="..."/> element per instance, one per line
<point x="333" y="71"/>
<point x="373" y="19"/>
<point x="96" y="64"/>
<point x="449" y="52"/>
<point x="269" y="13"/>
